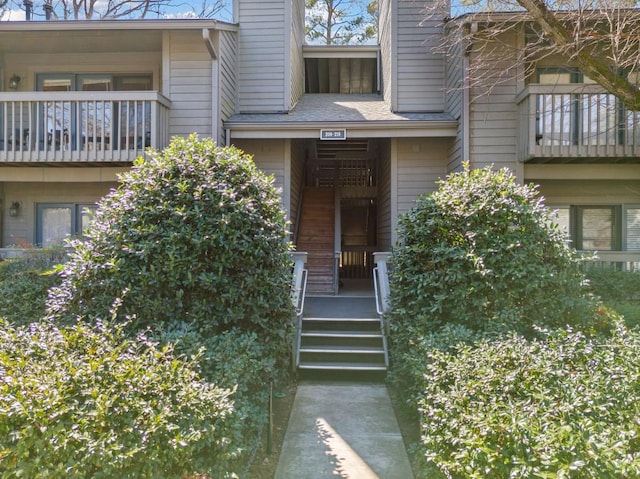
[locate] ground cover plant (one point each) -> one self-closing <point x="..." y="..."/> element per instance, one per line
<point x="562" y="406"/>
<point x="84" y="401"/>
<point x="172" y="310"/>
<point x="499" y="344"/>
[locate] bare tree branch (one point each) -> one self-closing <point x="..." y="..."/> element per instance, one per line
<point x="600" y="37"/>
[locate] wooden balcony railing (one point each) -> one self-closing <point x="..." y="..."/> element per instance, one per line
<point x="65" y="127"/>
<point x="569" y="122"/>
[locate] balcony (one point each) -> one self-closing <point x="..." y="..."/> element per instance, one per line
<point x="94" y="127"/>
<point x="575" y="123"/>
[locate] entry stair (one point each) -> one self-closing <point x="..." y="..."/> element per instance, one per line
<point x="341" y="334"/>
<point x="316" y="237"/>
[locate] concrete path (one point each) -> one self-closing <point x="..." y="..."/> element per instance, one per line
<point x="342" y="430"/>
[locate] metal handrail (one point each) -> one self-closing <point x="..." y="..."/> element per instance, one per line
<point x="303" y="292"/>
<point x="376" y="292"/>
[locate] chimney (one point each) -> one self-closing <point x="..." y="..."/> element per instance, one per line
<point x="48" y="8"/>
<point x="28" y="5"/>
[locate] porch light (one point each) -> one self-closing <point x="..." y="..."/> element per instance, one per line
<point x="14" y="81"/>
<point x="14" y="209"/>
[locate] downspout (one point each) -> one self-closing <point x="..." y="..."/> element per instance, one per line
<point x="215" y="101"/>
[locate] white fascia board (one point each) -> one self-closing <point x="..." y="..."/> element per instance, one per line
<point x="430" y="129"/>
<point x="340" y="51"/>
<point x="93" y="25"/>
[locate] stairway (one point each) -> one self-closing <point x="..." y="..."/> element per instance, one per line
<point x="341" y="334"/>
<point x="316" y="236"/>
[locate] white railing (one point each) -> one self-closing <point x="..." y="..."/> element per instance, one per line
<point x="618" y="260"/>
<point x="381" y="281"/>
<point x="298" y="291"/>
<point x="575" y="121"/>
<point x="81" y="126"/>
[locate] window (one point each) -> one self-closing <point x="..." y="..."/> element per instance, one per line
<point x="100" y="124"/>
<point x="601" y="227"/>
<point x="56" y="222"/>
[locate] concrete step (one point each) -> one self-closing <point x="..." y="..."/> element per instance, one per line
<point x="341" y="324"/>
<point x="344" y="366"/>
<point x="341" y="344"/>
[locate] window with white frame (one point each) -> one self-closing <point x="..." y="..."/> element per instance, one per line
<point x="55" y="222"/>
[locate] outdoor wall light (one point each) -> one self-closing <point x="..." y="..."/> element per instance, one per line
<point x="14" y="209"/>
<point x="14" y="81"/>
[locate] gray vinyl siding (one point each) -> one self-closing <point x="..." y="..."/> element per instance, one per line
<point x="454" y="101"/>
<point x="384" y="198"/>
<point x="386" y="51"/>
<point x="589" y="192"/>
<point x="420" y="71"/>
<point x="228" y="81"/>
<point x="420" y="163"/>
<point x="493" y="114"/>
<point x="261" y="58"/>
<point x="297" y="60"/>
<point x="268" y="156"/>
<point x="190" y="86"/>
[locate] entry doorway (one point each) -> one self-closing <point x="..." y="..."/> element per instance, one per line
<point x="338" y="217"/>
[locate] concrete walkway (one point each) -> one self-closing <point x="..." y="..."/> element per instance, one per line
<point x="342" y="430"/>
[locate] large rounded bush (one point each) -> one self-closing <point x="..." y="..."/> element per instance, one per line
<point x="195" y="233"/>
<point x="483" y="251"/>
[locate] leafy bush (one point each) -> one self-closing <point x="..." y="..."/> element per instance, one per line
<point x="82" y="402"/>
<point x="562" y="407"/>
<point x="614" y="286"/>
<point x="196" y="233"/>
<point x="24" y="283"/>
<point x="619" y="290"/>
<point x="236" y="360"/>
<point x="483" y="251"/>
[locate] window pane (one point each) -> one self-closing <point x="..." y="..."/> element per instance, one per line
<point x="554" y="126"/>
<point x="562" y="216"/>
<point x="554" y="77"/>
<point x="599" y="119"/>
<point x="55" y="224"/>
<point x="86" y="217"/>
<point x="597" y="228"/>
<point x="633" y="228"/>
<point x="95" y="84"/>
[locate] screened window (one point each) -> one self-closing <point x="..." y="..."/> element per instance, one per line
<point x="632" y="228"/>
<point x="601" y="227"/>
<point x="57" y="222"/>
<point x="596" y="228"/>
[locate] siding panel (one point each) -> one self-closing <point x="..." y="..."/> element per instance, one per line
<point x="261" y="43"/>
<point x="191" y="85"/>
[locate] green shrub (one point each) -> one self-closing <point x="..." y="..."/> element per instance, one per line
<point x="236" y="360"/>
<point x="619" y="290"/>
<point x="483" y="251"/>
<point x="614" y="286"/>
<point x="196" y="233"/>
<point x="81" y="402"/>
<point x="24" y="283"/>
<point x="562" y="407"/>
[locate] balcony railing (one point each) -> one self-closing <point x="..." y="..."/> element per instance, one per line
<point x="575" y="121"/>
<point x="45" y="127"/>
